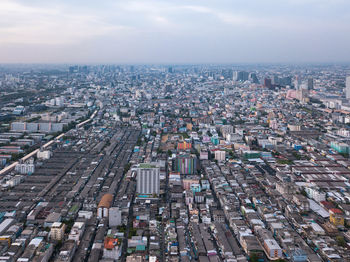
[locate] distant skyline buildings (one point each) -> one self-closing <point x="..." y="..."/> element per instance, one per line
<point x="310" y="83"/>
<point x="347" y="87"/>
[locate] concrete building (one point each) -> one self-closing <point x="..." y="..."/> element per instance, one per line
<point x="57" y="231"/>
<point x="115" y="216"/>
<point x="147" y="179"/>
<point x="302" y="202"/>
<point x="272" y="248"/>
<point x="185" y="164"/>
<point x="77" y="231"/>
<point x="104" y="205"/>
<point x="294" y="127"/>
<point x="26" y="168"/>
<point x="310" y="83"/>
<point x="44" y="154"/>
<point x="315" y="194"/>
<point x="336" y="217"/>
<point x="184" y="145"/>
<point x="347" y="87"/>
<point x="220" y="155"/>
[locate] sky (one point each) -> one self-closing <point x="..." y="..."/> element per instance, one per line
<point x="174" y="31"/>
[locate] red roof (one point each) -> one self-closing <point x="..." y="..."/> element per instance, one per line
<point x="328" y="205"/>
<point x="336" y="211"/>
<point x="109" y="242"/>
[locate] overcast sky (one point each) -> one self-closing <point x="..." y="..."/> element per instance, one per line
<point x="174" y="31"/>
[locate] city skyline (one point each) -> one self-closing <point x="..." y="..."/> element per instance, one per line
<point x="174" y="32"/>
<point x="214" y="163"/>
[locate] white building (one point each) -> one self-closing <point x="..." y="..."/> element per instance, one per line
<point x="26" y="168"/>
<point x="14" y="181"/>
<point x="44" y="154"/>
<point x="220" y="155"/>
<point x="147" y="179"/>
<point x="112" y="253"/>
<point x="115" y="216"/>
<point x="272" y="248"/>
<point x="294" y="127"/>
<point x="203" y="155"/>
<point x="347" y="87"/>
<point x="77" y="231"/>
<point x="273" y="124"/>
<point x="226" y="129"/>
<point x="315" y="194"/>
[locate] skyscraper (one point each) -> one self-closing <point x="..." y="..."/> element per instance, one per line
<point x="310" y="83"/>
<point x="242" y="76"/>
<point x="147" y="179"/>
<point x="254" y="78"/>
<point x="297" y="82"/>
<point x="268" y="83"/>
<point x="347" y="87"/>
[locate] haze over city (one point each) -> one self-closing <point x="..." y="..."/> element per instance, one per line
<point x="154" y="31"/>
<point x="174" y="131"/>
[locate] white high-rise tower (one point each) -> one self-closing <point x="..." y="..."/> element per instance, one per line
<point x="147" y="179"/>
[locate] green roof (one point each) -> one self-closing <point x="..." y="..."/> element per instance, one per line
<point x="140" y="248"/>
<point x="74" y="208"/>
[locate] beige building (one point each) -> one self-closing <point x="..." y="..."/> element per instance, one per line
<point x="57" y="231"/>
<point x="220" y="155"/>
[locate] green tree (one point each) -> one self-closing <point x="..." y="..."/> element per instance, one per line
<point x="341" y="241"/>
<point x="254" y="257"/>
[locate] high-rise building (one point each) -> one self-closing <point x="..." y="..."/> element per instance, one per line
<point x="220" y="155"/>
<point x="147" y="179"/>
<point x="276" y="80"/>
<point x="268" y="82"/>
<point x="185" y="164"/>
<point x="227" y="74"/>
<point x="57" y="231"/>
<point x="310" y="83"/>
<point x="286" y="81"/>
<point x="25" y="167"/>
<point x="254" y="78"/>
<point x="242" y="76"/>
<point x="347" y="87"/>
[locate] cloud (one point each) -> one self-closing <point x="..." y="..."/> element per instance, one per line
<point x="169" y="30"/>
<point x="37" y="25"/>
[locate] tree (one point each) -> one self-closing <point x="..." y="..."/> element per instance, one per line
<point x="159" y="151"/>
<point x="341" y="241"/>
<point x="127" y="167"/>
<point x="254" y="257"/>
<point x="69" y="224"/>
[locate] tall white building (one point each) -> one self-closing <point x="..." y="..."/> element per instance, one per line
<point x="347" y="87"/>
<point x="44" y="154"/>
<point x="220" y="155"/>
<point x="25" y="168"/>
<point x="147" y="179"/>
